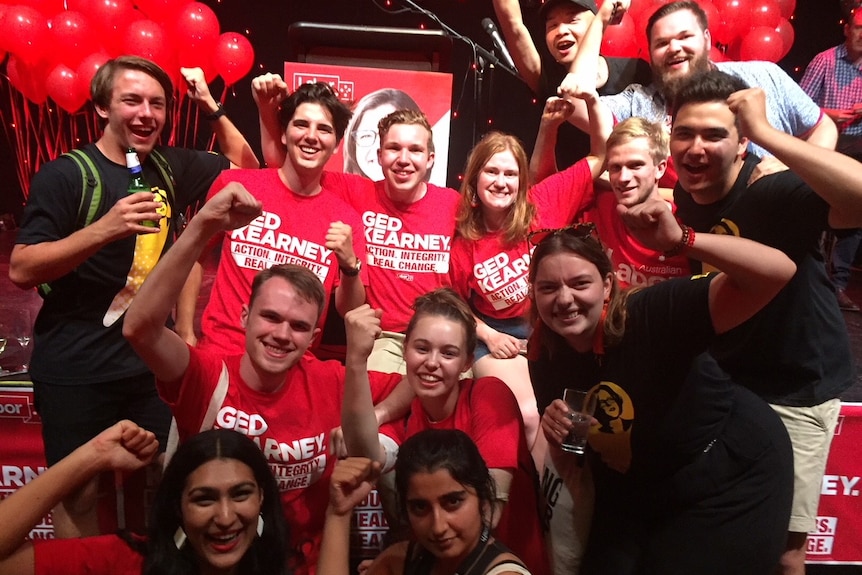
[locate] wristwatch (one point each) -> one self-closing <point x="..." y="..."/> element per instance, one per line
<point x="352" y="272"/>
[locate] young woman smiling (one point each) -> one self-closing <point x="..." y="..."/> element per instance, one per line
<point x="490" y="254"/>
<point x="216" y="511"/>
<point x="438" y="349"/>
<point x="699" y="460"/>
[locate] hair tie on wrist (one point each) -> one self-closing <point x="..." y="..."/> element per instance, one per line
<point x="217" y="114"/>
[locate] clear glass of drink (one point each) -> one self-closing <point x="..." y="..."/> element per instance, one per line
<point x="582" y="405"/>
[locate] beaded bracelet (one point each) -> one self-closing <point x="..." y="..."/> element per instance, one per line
<point x="686" y="241"/>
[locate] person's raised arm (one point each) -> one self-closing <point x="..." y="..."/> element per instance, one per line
<point x="232" y="143"/>
<point x="358" y="421"/>
<point x="187" y="303"/>
<point x="350" y="292"/>
<point x="520" y="43"/>
<point x="543" y="162"/>
<point x="352" y="479"/>
<point x="752" y="273"/>
<point x="122" y="447"/>
<point x="583" y="76"/>
<point x="268" y="91"/>
<point x="835" y="177"/>
<point x="162" y="349"/>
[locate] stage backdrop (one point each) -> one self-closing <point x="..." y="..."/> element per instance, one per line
<point x="373" y="93"/>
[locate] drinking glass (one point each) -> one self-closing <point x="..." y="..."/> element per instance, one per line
<point x="582" y="405"/>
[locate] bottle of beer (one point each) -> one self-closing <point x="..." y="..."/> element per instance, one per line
<point x="137" y="183"/>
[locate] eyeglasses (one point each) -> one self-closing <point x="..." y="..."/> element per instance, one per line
<point x="364" y="138"/>
<point x="580" y="231"/>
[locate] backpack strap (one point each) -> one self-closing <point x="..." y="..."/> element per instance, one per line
<point x="165" y="172"/>
<point x="91" y="197"/>
<point x="91" y="185"/>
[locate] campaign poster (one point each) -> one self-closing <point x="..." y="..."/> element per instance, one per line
<point x="123" y="502"/>
<point x="837" y="538"/>
<point x="372" y="93"/>
<point x="22" y="457"/>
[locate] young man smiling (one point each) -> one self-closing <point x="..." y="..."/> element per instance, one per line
<point x="564" y="24"/>
<point x="85" y="375"/>
<point x="272" y="391"/>
<point x="408" y="222"/>
<point x="680" y="42"/>
<point x="795" y="352"/>
<point x="303" y="221"/>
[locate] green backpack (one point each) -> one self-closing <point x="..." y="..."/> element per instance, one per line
<point x="91" y="197"/>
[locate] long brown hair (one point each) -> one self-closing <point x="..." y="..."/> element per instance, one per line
<point x="470" y="220"/>
<point x="589" y="248"/>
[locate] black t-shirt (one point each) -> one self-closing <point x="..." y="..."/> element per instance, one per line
<point x="72" y="344"/>
<point x="795" y="351"/>
<point x="643" y="385"/>
<point x="572" y="143"/>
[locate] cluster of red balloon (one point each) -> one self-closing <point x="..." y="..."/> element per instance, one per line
<point x="741" y="29"/>
<point x="56" y="46"/>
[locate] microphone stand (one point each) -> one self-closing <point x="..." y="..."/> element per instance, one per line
<point x="481" y="59"/>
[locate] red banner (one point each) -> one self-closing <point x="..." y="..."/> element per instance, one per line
<point x="373" y="93"/>
<point x="838" y="536"/>
<point x="22" y="459"/>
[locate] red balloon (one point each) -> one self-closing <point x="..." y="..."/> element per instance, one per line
<point x="147" y="39"/>
<point x="63" y="87"/>
<point x="787" y="33"/>
<point x="712" y="15"/>
<point x="764" y="13"/>
<point x="787" y="7"/>
<point x="109" y="18"/>
<point x="761" y="43"/>
<point x="233" y="57"/>
<point x="47" y="8"/>
<point x="26" y="32"/>
<point x="734" y="21"/>
<point x="72" y="37"/>
<point x="27" y="79"/>
<point x="196" y="33"/>
<point x="88" y="68"/>
<point x="620" y="40"/>
<point x="4" y="41"/>
<point x="162" y="11"/>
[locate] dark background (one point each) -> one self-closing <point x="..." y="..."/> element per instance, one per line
<point x="508" y="104"/>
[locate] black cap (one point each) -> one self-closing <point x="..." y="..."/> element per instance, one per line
<point x="585" y="4"/>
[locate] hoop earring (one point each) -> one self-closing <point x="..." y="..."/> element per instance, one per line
<point x="180" y="538"/>
<point x="260" y="525"/>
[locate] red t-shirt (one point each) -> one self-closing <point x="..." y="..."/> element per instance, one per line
<point x="492" y="275"/>
<point x="291" y="426"/>
<point x="292" y="229"/>
<point x="102" y="555"/>
<point x="407" y="244"/>
<point x="488" y="412"/>
<point x="634" y="264"/>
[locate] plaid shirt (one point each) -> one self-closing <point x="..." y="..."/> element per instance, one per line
<point x="834" y="81"/>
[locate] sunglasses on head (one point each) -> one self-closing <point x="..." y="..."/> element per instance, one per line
<point x="580" y="231"/>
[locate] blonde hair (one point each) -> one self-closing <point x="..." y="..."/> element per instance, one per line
<point x="469" y="219"/>
<point x="633" y="128"/>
